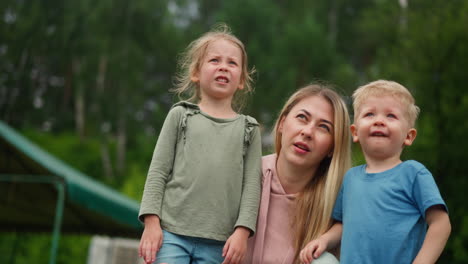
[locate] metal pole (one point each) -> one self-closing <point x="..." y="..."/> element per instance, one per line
<point x="57" y="221"/>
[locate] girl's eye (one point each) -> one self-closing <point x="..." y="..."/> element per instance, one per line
<point x="213" y="60"/>
<point x="391" y="116"/>
<point x="368" y="114"/>
<point x="233" y="62"/>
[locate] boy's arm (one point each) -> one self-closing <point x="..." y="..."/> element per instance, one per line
<point x="330" y="240"/>
<point x="436" y="236"/>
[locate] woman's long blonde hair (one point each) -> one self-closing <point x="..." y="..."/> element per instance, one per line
<point x="314" y="205"/>
<point x="191" y="60"/>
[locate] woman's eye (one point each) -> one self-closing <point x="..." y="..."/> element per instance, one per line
<point x="326" y="127"/>
<point x="301" y="116"/>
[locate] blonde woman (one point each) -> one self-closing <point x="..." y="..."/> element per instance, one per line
<point x="302" y="179"/>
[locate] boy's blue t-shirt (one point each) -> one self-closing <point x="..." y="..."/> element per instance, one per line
<point x="383" y="214"/>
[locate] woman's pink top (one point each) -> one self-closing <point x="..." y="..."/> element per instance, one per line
<point x="272" y="242"/>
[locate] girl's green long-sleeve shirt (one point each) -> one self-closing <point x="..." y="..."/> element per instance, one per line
<point x="204" y="177"/>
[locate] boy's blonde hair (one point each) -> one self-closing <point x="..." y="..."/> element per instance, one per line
<point x="314" y="205"/>
<point x="191" y="60"/>
<point x="385" y="88"/>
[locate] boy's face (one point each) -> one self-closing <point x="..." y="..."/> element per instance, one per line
<point x="382" y="127"/>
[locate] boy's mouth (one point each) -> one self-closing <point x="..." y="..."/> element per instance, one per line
<point x="378" y="134"/>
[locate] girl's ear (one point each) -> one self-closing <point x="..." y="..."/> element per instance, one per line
<point x="353" y="129"/>
<point x="194" y="77"/>
<point x="410" y="137"/>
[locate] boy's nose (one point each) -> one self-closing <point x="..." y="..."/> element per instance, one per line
<point x="379" y="122"/>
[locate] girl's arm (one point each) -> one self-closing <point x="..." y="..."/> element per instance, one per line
<point x="437" y="235"/>
<point x="236" y="246"/>
<point x="152" y="238"/>
<point x="161" y="165"/>
<point x="330" y="240"/>
<point x="251" y="186"/>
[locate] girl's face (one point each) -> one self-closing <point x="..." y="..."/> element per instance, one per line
<point x="220" y="71"/>
<point x="307" y="132"/>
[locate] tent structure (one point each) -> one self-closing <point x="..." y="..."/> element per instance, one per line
<point x="39" y="192"/>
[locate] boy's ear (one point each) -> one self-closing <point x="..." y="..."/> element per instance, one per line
<point x="353" y="129"/>
<point x="410" y="136"/>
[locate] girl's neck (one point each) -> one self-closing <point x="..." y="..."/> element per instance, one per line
<point x="376" y="165"/>
<point x="293" y="178"/>
<point x="217" y="108"/>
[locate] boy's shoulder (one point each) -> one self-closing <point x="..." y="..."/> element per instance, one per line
<point x="413" y="164"/>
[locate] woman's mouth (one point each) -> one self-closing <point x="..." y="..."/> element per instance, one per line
<point x="301" y="146"/>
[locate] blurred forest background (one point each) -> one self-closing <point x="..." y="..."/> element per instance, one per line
<point x="88" y="81"/>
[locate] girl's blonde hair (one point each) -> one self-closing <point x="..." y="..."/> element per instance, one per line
<point x="314" y="205"/>
<point x="191" y="60"/>
<point x="386" y="88"/>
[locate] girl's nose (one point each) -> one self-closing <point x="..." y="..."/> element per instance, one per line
<point x="223" y="67"/>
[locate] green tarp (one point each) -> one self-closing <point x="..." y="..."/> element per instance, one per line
<point x="30" y="180"/>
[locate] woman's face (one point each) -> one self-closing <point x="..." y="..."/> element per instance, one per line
<point x="307" y="132"/>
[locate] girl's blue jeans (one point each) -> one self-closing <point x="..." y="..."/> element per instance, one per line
<point x="178" y="249"/>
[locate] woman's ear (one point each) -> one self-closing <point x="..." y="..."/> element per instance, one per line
<point x="280" y="126"/>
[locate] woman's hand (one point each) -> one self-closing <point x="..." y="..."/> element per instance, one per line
<point x="151" y="239"/>
<point x="236" y="245"/>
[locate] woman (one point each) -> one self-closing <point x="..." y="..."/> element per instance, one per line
<point x="302" y="179"/>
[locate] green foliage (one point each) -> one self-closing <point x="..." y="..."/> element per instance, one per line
<point x="23" y="248"/>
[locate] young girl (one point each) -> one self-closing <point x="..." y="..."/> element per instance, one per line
<point x="202" y="191"/>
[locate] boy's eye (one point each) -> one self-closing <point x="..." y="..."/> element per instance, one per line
<point x="391" y="116"/>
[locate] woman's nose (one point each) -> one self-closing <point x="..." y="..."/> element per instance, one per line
<point x="307" y="131"/>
